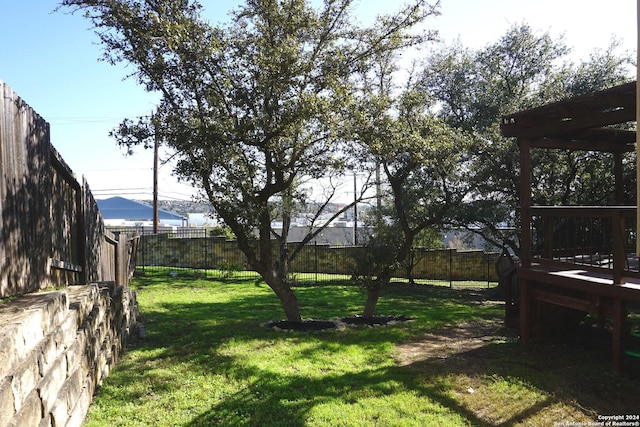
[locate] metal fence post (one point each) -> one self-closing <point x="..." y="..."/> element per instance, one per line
<point x="451" y="268"/>
<point x="488" y="262"/>
<point x="141" y="248"/>
<point x="315" y="254"/>
<point x="206" y="262"/>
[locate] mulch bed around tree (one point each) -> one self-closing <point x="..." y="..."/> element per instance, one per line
<point x="311" y="325"/>
<point x="375" y="320"/>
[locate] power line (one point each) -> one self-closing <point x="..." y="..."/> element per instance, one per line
<point x="115" y="170"/>
<point x="121" y="189"/>
<point x="65" y="121"/>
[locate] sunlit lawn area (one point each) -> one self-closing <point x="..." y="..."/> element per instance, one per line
<point x="207" y="361"/>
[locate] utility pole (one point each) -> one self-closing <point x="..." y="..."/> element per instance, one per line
<point x="355" y="210"/>
<point x="156" y="143"/>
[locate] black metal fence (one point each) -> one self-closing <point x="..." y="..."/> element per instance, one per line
<point x="192" y="252"/>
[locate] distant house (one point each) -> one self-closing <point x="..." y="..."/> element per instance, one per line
<point x="118" y="211"/>
<point x="339" y="235"/>
<point x="199" y="219"/>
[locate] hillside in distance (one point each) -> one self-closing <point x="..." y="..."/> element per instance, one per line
<point x="181" y="207"/>
<point x="185" y="207"/>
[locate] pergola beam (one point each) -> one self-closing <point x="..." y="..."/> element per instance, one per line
<point x="563" y="144"/>
<point x="608" y="107"/>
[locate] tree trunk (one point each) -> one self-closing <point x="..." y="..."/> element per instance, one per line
<point x="271" y="275"/>
<point x="373" y="294"/>
<point x="409" y="265"/>
<point x="283" y="261"/>
<point x="275" y="273"/>
<point x="288" y="299"/>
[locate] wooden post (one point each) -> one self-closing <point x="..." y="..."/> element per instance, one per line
<point x="617" y="172"/>
<point x="525" y="200"/>
<point x="525" y="312"/>
<point x="116" y="261"/>
<point x="82" y="237"/>
<point x="122" y="260"/>
<point x="619" y="255"/>
<point x="619" y="318"/>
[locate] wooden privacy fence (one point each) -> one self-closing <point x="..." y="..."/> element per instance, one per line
<point x="51" y="231"/>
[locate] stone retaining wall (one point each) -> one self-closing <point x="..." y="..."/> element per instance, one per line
<point x="56" y="347"/>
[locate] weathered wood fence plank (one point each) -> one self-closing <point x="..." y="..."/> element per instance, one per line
<point x="51" y="231"/>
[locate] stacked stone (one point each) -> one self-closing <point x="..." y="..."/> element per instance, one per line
<point x="56" y="347"/>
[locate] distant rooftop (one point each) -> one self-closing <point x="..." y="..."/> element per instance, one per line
<point x="130" y="210"/>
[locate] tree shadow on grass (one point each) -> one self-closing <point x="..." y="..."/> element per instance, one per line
<point x="190" y="333"/>
<point x="570" y="371"/>
<point x="556" y="373"/>
<point x="276" y="400"/>
<point x="575" y="378"/>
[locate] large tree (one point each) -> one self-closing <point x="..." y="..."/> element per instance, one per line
<point x="253" y="107"/>
<point x="523" y="69"/>
<point x="425" y="164"/>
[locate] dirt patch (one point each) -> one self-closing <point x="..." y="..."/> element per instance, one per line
<point x="453" y="342"/>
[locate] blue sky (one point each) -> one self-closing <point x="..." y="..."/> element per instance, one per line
<point x="51" y="60"/>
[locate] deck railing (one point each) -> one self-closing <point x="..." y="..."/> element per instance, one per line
<point x="595" y="238"/>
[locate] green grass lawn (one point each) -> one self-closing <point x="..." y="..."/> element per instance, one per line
<point x="207" y="361"/>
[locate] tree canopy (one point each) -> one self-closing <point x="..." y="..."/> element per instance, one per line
<point x="521" y="70"/>
<point x="425" y="163"/>
<point x="286" y="92"/>
<point x="254" y="106"/>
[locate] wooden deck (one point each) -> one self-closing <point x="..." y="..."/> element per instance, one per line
<point x="579" y="289"/>
<point x="561" y="246"/>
